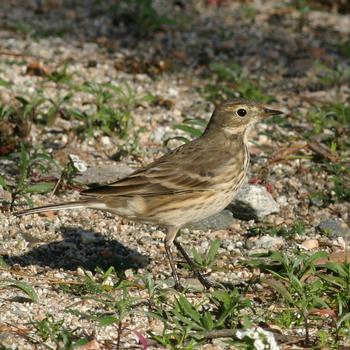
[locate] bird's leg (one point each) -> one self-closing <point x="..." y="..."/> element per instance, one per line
<point x="171" y="234"/>
<point x="193" y="267"/>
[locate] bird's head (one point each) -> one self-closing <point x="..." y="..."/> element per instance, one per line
<point x="238" y="116"/>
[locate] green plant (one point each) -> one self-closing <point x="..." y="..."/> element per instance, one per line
<point x="5" y="83"/>
<point x="192" y="126"/>
<point x="91" y="285"/>
<point x="340" y="179"/>
<point x="140" y="15"/>
<point x="56" y="108"/>
<point x="337" y="278"/>
<point x="28" y="164"/>
<point x="28" y="290"/>
<point x="5" y="111"/>
<point x="297" y="228"/>
<point x="333" y="75"/>
<point x="111" y="107"/>
<point x="48" y="329"/>
<point x="207" y="259"/>
<point x="115" y="298"/>
<point x="344" y="48"/>
<point x="122" y="307"/>
<point x="295" y="282"/>
<point x="285" y="318"/>
<point x="60" y="75"/>
<point x="233" y="81"/>
<point x="333" y="115"/>
<point x="29" y="107"/>
<point x="187" y="325"/>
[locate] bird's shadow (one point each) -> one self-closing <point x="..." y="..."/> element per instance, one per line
<point x="81" y="248"/>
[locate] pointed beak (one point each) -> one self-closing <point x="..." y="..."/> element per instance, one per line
<point x="268" y="112"/>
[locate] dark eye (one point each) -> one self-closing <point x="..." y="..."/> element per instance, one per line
<point x="241" y="112"/>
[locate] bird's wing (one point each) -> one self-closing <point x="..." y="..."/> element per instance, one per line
<point x="173" y="173"/>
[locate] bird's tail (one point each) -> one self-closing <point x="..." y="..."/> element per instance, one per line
<point x="85" y="203"/>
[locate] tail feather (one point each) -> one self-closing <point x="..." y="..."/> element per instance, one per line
<point x="54" y="207"/>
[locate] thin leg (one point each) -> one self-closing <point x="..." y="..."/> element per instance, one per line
<point x="193" y="267"/>
<point x="171" y="234"/>
<point x="178" y="285"/>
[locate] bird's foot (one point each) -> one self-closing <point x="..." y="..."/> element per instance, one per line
<point x="205" y="283"/>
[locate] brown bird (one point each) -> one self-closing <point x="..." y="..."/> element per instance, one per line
<point x="186" y="185"/>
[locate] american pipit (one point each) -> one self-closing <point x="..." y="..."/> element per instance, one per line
<point x="188" y="184"/>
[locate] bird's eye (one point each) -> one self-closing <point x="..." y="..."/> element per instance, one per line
<point x="241" y="112"/>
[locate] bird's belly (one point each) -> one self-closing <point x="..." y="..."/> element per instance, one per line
<point x="187" y="209"/>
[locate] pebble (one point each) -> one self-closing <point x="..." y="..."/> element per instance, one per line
<point x="103" y="174"/>
<point x="77" y="163"/>
<point x="334" y="228"/>
<point x="129" y="273"/>
<point x="269" y="242"/>
<point x="217" y="221"/>
<point x="253" y="202"/>
<point x="310" y="244"/>
<point x="282" y="201"/>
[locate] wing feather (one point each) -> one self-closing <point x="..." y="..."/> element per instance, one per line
<point x="183" y="170"/>
<point x="169" y="174"/>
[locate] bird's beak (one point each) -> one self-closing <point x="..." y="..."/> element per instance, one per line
<point x="268" y="112"/>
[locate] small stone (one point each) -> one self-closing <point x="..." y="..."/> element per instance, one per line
<point x="77" y="163"/>
<point x="334" y="228"/>
<point x="193" y="283"/>
<point x="269" y="242"/>
<point x="217" y="221"/>
<point x="129" y="274"/>
<point x="106" y="141"/>
<point x="204" y="245"/>
<point x="282" y="201"/>
<point x="253" y="202"/>
<point x="310" y="244"/>
<point x="4" y="195"/>
<point x="80" y="272"/>
<point x="173" y="92"/>
<point x="91" y="345"/>
<point x="103" y="174"/>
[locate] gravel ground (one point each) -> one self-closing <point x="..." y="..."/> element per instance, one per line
<point x="276" y="44"/>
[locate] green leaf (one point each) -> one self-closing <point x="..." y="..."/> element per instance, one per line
<point x="189" y="129"/>
<point x="3" y="263"/>
<point x="207" y="321"/>
<point x="5" y="83"/>
<point x="157" y="316"/>
<point x="316" y="256"/>
<point x="25" y="288"/>
<point x="213" y="250"/>
<point x="336" y="268"/>
<point x="80" y="342"/>
<point x="178" y="138"/>
<point x="187" y="307"/>
<point x="2" y="182"/>
<point x="343" y="319"/>
<point x="279" y="287"/>
<point x="197" y="258"/>
<point x="195" y="121"/>
<point x="318" y="302"/>
<point x="333" y="280"/>
<point x="222" y="296"/>
<point x="107" y="320"/>
<point x="40" y="187"/>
